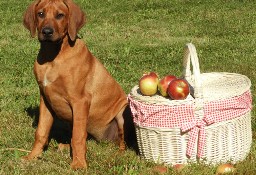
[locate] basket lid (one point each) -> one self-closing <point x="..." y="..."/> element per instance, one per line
<point x="157" y="99"/>
<point x="223" y="85"/>
<point x="215" y="86"/>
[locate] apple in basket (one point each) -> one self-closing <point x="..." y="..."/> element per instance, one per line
<point x="225" y="169"/>
<point x="148" y="83"/>
<point x="163" y="84"/>
<point x="178" y="89"/>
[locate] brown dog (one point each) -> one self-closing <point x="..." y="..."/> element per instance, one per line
<point x="74" y="85"/>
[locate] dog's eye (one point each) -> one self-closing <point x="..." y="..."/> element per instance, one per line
<point x="40" y="14"/>
<point x="60" y="16"/>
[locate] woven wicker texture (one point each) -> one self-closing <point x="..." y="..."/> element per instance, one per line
<point x="217" y="130"/>
<point x="227" y="141"/>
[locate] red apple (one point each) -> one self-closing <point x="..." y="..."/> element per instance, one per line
<point x="225" y="169"/>
<point x="148" y="83"/>
<point x="163" y="84"/>
<point x="178" y="89"/>
<point x="178" y="167"/>
<point x="160" y="169"/>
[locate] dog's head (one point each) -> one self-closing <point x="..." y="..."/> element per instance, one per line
<point x="54" y="19"/>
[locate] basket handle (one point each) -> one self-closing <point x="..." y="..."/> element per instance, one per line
<point x="190" y="56"/>
<point x="198" y="132"/>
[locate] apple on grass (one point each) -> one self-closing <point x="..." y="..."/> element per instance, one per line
<point x="178" y="167"/>
<point x="163" y="84"/>
<point x="148" y="83"/>
<point x="160" y="169"/>
<point x="178" y="89"/>
<point x="225" y="169"/>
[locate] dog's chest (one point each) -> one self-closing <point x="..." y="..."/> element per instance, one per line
<point x="45" y="80"/>
<point x="47" y="76"/>
<point x="54" y="89"/>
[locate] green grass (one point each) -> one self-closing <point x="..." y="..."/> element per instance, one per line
<point x="129" y="37"/>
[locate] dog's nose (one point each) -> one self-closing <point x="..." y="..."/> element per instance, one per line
<point x="47" y="31"/>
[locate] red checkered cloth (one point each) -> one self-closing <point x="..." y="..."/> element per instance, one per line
<point x="183" y="116"/>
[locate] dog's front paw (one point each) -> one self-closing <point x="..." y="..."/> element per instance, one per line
<point x="78" y="164"/>
<point x="30" y="157"/>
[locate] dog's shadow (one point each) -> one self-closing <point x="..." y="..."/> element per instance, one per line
<point x="61" y="131"/>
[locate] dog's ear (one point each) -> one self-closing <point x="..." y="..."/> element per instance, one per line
<point x="76" y="19"/>
<point x="29" y="18"/>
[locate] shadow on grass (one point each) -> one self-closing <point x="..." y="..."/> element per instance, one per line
<point x="61" y="130"/>
<point x="129" y="130"/>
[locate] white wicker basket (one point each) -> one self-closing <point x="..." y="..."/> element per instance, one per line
<point x="216" y="128"/>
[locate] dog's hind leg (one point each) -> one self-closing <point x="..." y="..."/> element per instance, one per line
<point x="120" y="123"/>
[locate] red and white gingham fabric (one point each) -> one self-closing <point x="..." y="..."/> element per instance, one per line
<point x="182" y="116"/>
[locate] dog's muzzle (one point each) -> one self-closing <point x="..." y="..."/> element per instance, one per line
<point x="47" y="32"/>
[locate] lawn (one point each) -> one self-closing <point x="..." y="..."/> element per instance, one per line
<point x="130" y="38"/>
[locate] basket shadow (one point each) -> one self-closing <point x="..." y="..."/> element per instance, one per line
<point x="129" y="131"/>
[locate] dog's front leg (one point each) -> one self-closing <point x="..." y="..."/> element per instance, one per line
<point x="79" y="134"/>
<point x="42" y="131"/>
